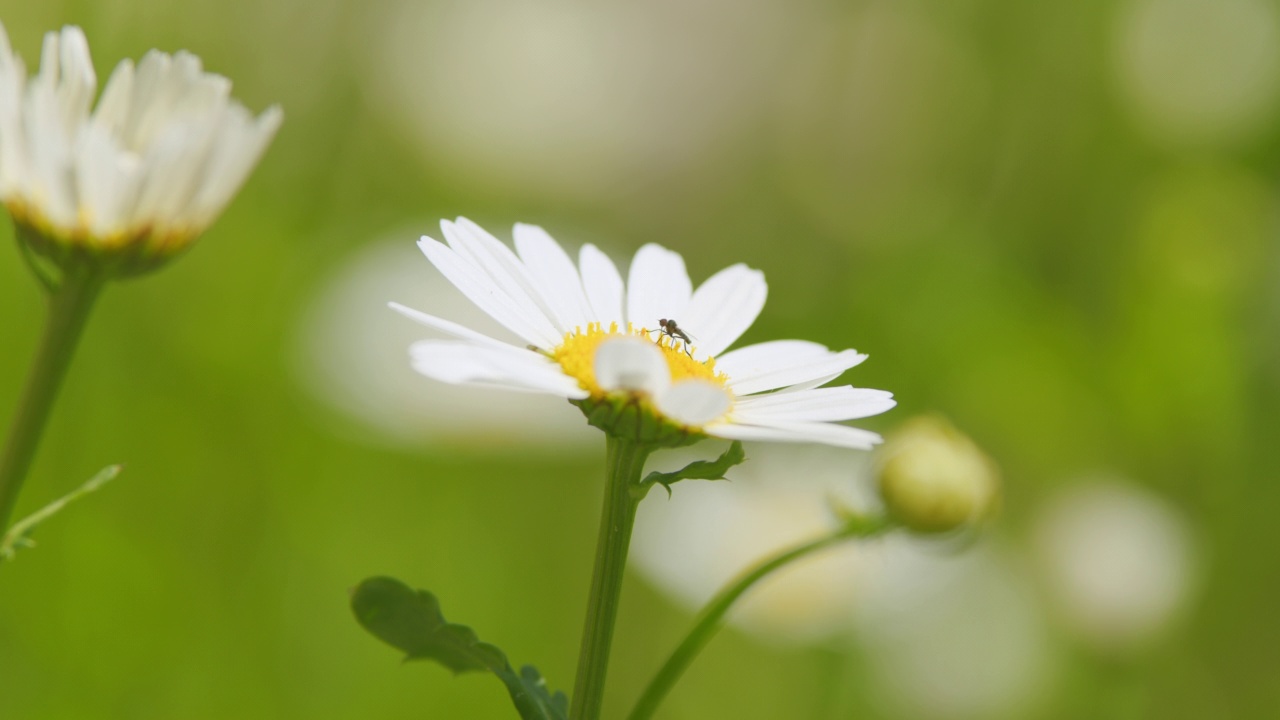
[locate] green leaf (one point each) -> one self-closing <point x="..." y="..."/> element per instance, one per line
<point x="19" y="535"/>
<point x="410" y="620"/>
<point x="531" y="696"/>
<point x="699" y="470"/>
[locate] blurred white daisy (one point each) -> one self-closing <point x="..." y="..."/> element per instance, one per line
<point x="1119" y="562"/>
<point x="694" y="546"/>
<point x="945" y="634"/>
<point x="137" y="177"/>
<point x="645" y="357"/>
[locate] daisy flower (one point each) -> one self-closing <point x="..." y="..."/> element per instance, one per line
<point x="648" y="358"/>
<point x="138" y="177"/>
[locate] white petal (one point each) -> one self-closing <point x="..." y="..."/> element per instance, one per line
<point x="658" y="287"/>
<point x="554" y="274"/>
<point x="165" y="89"/>
<point x="499" y="262"/>
<point x="78" y="81"/>
<point x="724" y="307"/>
<point x="824" y="433"/>
<point x="452" y="328"/>
<point x="807" y="385"/>
<point x="765" y="356"/>
<point x="107" y="181"/>
<point x="780" y="363"/>
<point x="603" y="284"/>
<point x="13" y="80"/>
<point x="49" y="155"/>
<point x="66" y="75"/>
<point x="6" y="52"/>
<point x="631" y="364"/>
<point x="239" y="147"/>
<point x="174" y="160"/>
<point x="113" y="106"/>
<point x="694" y="402"/>
<point x="481" y="290"/>
<point x="815" y="405"/>
<point x="461" y="362"/>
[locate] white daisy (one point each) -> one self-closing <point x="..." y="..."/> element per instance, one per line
<point x="587" y="336"/>
<point x="140" y="175"/>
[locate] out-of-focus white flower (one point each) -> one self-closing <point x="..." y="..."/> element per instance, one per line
<point x="350" y="356"/>
<point x="956" y="637"/>
<point x="578" y="98"/>
<point x="137" y="177"/>
<point x="1118" y="561"/>
<point x="1200" y="71"/>
<point x="948" y="635"/>
<point x="617" y="350"/>
<point x="696" y="543"/>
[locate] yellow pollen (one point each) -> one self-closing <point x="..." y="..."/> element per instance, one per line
<point x="577" y="355"/>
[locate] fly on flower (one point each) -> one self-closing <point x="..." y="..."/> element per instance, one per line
<point x="578" y="332"/>
<point x="671" y="330"/>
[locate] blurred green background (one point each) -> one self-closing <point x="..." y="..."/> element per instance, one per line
<point x="1056" y="223"/>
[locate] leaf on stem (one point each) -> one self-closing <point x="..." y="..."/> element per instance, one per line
<point x="699" y="470"/>
<point x="410" y="620"/>
<point x="19" y="535"/>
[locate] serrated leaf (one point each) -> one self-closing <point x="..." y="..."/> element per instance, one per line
<point x="699" y="470"/>
<point x="411" y="621"/>
<point x="532" y="697"/>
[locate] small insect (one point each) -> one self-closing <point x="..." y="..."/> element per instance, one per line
<point x="673" y="331"/>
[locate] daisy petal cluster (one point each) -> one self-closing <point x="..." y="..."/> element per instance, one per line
<point x="137" y="177"/>
<point x="646" y="357"/>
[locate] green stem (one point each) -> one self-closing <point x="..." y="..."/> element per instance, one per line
<point x="621" y="498"/>
<point x="712" y="617"/>
<point x="69" y="306"/>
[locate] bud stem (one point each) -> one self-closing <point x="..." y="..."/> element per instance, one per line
<point x="712" y="616"/>
<point x="70" y="302"/>
<point x="622" y="496"/>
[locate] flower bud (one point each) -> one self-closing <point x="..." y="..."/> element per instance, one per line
<point x="934" y="479"/>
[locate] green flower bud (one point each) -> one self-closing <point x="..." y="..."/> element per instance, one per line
<point x="934" y="479"/>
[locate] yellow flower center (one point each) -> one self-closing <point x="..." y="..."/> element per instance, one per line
<point x="577" y="354"/>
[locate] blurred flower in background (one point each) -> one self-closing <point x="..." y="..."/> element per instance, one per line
<point x="694" y="543"/>
<point x="1118" y="562"/>
<point x="572" y="98"/>
<point x="957" y="634"/>
<point x="949" y="631"/>
<point x="141" y="176"/>
<point x="1200" y="72"/>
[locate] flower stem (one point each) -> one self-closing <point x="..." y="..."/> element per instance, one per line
<point x="69" y="304"/>
<point x="712" y="617"/>
<point x="617" y="518"/>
